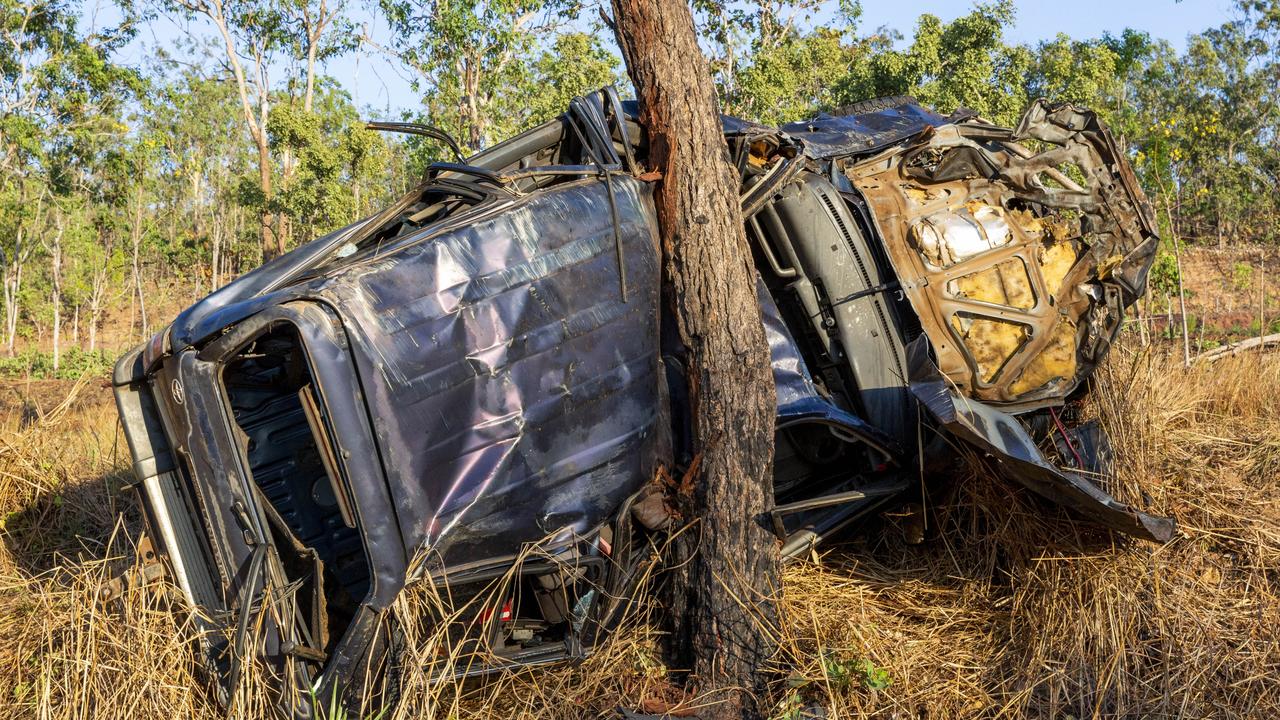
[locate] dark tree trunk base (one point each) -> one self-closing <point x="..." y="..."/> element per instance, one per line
<point x="722" y="608"/>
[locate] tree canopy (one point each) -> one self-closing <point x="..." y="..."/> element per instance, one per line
<point x="127" y="184"/>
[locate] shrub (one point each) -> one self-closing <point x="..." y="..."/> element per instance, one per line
<point x="73" y="363"/>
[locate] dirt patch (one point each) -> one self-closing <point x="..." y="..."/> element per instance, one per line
<point x="1231" y="292"/>
<point x="23" y="401"/>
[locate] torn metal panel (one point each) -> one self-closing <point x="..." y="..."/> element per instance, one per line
<point x="1016" y="454"/>
<point x="1020" y="264"/>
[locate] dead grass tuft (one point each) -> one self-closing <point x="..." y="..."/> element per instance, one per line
<point x="62" y="536"/>
<point x="1011" y="609"/>
<point x="1008" y="609"/>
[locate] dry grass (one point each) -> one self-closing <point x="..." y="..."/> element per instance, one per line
<point x="1008" y="609"/>
<point x="1012" y="610"/>
<point x="60" y="501"/>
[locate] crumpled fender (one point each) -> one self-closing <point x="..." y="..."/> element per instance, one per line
<point x="1004" y="437"/>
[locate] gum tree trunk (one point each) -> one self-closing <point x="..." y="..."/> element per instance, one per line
<point x="55" y="298"/>
<point x="721" y="597"/>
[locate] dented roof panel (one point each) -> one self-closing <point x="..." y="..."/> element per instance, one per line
<point x="865" y="128"/>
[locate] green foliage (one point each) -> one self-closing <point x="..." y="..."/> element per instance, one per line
<point x="72" y="365"/>
<point x="53" y="76"/>
<point x="1163" y="277"/>
<point x="575" y="64"/>
<point x="333" y="153"/>
<point x="839" y="673"/>
<point x="964" y="63"/>
<point x="845" y="672"/>
<point x="786" y="81"/>
<point x="472" y="60"/>
<point x="1077" y="71"/>
<point x="1241" y="276"/>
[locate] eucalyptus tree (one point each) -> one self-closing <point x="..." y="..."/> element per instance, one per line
<point x="253" y="40"/>
<point x="1230" y="121"/>
<point x="258" y="38"/>
<point x="191" y="122"/>
<point x="61" y="90"/>
<point x="773" y="61"/>
<point x="965" y="62"/>
<point x="475" y="61"/>
<point x="341" y="168"/>
<point x="572" y="64"/>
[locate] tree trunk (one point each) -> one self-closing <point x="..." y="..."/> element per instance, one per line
<point x="135" y="241"/>
<point x="313" y="40"/>
<point x="13" y="273"/>
<point x="96" y="295"/>
<point x="1182" y="296"/>
<point x="272" y="243"/>
<point x="475" y="123"/>
<point x="722" y="596"/>
<point x="12" y="287"/>
<point x="94" y="319"/>
<point x="1262" y="293"/>
<point x="55" y="274"/>
<point x="215" y="239"/>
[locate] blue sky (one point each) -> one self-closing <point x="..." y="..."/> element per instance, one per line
<point x="383" y="90"/>
<point x="1038" y="19"/>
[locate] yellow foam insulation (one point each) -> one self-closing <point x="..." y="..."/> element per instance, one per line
<point x="1059" y="226"/>
<point x="1062" y="228"/>
<point x="1005" y="283"/>
<point x="1055" y="262"/>
<point x="923" y="196"/>
<point x="1029" y="223"/>
<point x="759" y="155"/>
<point x="1055" y="362"/>
<point x="1106" y="266"/>
<point x="1059" y="251"/>
<point x="1053" y="246"/>
<point x="991" y="342"/>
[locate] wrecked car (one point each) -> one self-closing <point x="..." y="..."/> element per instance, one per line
<point x="487" y="364"/>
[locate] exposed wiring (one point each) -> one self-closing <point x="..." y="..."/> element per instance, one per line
<point x="1066" y="438"/>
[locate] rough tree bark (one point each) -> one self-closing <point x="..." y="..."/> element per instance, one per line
<point x="722" y="607"/>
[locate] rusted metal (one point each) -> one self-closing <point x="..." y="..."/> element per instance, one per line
<point x="1020" y="279"/>
<point x="147" y="570"/>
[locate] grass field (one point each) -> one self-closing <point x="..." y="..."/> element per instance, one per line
<point x="1007" y="609"/>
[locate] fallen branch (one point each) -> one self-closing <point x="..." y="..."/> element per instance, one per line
<point x="1263" y="342"/>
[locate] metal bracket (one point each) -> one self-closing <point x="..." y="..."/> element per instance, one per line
<point x="148" y="569"/>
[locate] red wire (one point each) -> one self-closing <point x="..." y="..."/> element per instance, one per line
<point x="1062" y="429"/>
